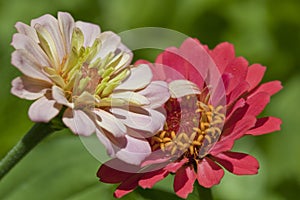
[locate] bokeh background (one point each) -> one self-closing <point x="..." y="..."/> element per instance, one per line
<point x="263" y="31"/>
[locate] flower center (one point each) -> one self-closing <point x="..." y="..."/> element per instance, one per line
<point x="192" y="127"/>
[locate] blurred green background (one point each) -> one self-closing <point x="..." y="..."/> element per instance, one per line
<point x="263" y="31"/>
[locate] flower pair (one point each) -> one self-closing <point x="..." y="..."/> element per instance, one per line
<point x="180" y="115"/>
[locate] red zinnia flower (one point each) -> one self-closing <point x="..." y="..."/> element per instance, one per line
<point x="206" y="113"/>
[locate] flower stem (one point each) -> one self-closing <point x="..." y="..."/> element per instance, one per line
<point x="204" y="193"/>
<point x="36" y="134"/>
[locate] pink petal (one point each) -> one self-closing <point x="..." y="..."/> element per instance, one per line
<point x="255" y="75"/>
<point x="27" y="30"/>
<point x="270" y="87"/>
<point x="21" y="41"/>
<point x="238" y="163"/>
<point x="142" y="119"/>
<point x="174" y="166"/>
<point x="90" y="32"/>
<point x="157" y="92"/>
<point x="79" y="122"/>
<point x="265" y="125"/>
<point x="110" y="43"/>
<point x="237" y="92"/>
<point x="51" y="25"/>
<point x="110" y="123"/>
<point x="66" y="25"/>
<point x="223" y="54"/>
<point x="43" y="110"/>
<point x="209" y="173"/>
<point x="257" y="103"/>
<point x="28" y="65"/>
<point x="184" y="181"/>
<point x="59" y="95"/>
<point x="27" y="88"/>
<point x="231" y="133"/>
<point x="135" y="151"/>
<point x="139" y="78"/>
<point x="165" y="73"/>
<point x="110" y="172"/>
<point x="151" y="178"/>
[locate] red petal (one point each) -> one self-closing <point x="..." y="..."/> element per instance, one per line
<point x="270" y="87"/>
<point x="209" y="173"/>
<point x="223" y="54"/>
<point x="255" y="75"/>
<point x="257" y="103"/>
<point x="174" y="166"/>
<point x="238" y="163"/>
<point x="237" y="92"/>
<point x="184" y="181"/>
<point x="150" y="178"/>
<point x="127" y="186"/>
<point x="265" y="125"/>
<point x="108" y="174"/>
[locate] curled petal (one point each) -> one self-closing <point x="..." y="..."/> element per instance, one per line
<point x="184" y="181"/>
<point x="59" y="96"/>
<point x="110" y="123"/>
<point x="43" y="110"/>
<point x="110" y="42"/>
<point x="28" y="88"/>
<point x="139" y="78"/>
<point x="79" y="122"/>
<point x="180" y="88"/>
<point x="238" y="163"/>
<point x="209" y="173"/>
<point x="132" y="97"/>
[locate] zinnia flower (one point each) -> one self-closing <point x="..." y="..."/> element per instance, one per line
<point x="74" y="68"/>
<point x="206" y="113"/>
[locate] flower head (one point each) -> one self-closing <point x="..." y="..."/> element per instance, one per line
<point x="74" y="68"/>
<point x="215" y="99"/>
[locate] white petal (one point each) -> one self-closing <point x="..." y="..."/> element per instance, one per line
<point x="27" y="30"/>
<point x="106" y="142"/>
<point x="133" y="97"/>
<point x="66" y="25"/>
<point x="28" y="65"/>
<point x="51" y="25"/>
<point x="135" y="151"/>
<point x="43" y="110"/>
<point x="110" y="123"/>
<point x="180" y="88"/>
<point x="27" y="88"/>
<point x="59" y="95"/>
<point x="21" y="41"/>
<point x="139" y="78"/>
<point x="146" y="120"/>
<point x="79" y="122"/>
<point x="90" y="32"/>
<point x="157" y="92"/>
<point x="110" y="43"/>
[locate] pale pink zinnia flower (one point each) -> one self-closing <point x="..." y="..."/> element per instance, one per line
<point x="74" y="68"/>
<point x="207" y="112"/>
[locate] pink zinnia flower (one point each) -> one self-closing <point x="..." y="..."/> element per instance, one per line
<point x="217" y="103"/>
<point x="74" y="68"/>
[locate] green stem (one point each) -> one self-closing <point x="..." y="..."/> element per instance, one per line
<point x="36" y="134"/>
<point x="204" y="193"/>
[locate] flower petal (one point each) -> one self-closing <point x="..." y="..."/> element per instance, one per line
<point x="110" y="123"/>
<point x="27" y="30"/>
<point x="238" y="163"/>
<point x="43" y="110"/>
<point x="180" y="88"/>
<point x="110" y="43"/>
<point x="209" y="173"/>
<point x="139" y="78"/>
<point x="142" y="119"/>
<point x="150" y="178"/>
<point x="223" y="54"/>
<point x="66" y="25"/>
<point x="265" y="125"/>
<point x="254" y="75"/>
<point x="157" y="92"/>
<point x="28" y="88"/>
<point x="79" y="122"/>
<point x="127" y="186"/>
<point x="184" y="181"/>
<point x="109" y="146"/>
<point x="135" y="151"/>
<point x="59" y="95"/>
<point x="28" y="65"/>
<point x="90" y="32"/>
<point x="174" y="166"/>
<point x="132" y="97"/>
<point x="271" y="88"/>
